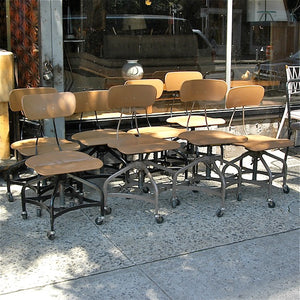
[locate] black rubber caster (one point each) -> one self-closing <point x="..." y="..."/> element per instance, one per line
<point x="159" y="219"/>
<point x="286" y="189"/>
<point x="38" y="212"/>
<point x="10" y="197"/>
<point x="107" y="210"/>
<point x="24" y="215"/>
<point x="99" y="220"/>
<point x="175" y="202"/>
<point x="51" y="235"/>
<point x="271" y="204"/>
<point x="220" y="213"/>
<point x="146" y="190"/>
<point x="239" y="197"/>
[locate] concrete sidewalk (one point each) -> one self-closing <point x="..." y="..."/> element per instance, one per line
<point x="252" y="252"/>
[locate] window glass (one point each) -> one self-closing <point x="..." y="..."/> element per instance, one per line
<point x="100" y="36"/>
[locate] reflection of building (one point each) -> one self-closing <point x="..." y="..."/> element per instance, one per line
<point x="256" y="25"/>
<point x="266" y="19"/>
<point x="213" y="21"/>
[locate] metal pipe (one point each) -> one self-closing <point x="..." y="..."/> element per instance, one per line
<point x="229" y="43"/>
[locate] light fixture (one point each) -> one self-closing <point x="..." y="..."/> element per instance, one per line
<point x="148" y="2"/>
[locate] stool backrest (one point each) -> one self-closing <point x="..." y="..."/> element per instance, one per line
<point x="157" y="83"/>
<point x="88" y="101"/>
<point x="131" y="96"/>
<point x="174" y="80"/>
<point x="247" y="95"/>
<point x="48" y="106"/>
<point x="205" y="90"/>
<point x="15" y="96"/>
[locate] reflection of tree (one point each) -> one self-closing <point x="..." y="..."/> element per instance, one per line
<point x="191" y="10"/>
<point x="96" y="27"/>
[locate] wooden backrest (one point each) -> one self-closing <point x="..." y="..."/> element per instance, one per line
<point x="47" y="106"/>
<point x="131" y="96"/>
<point x="174" y="80"/>
<point x="87" y="101"/>
<point x="157" y="83"/>
<point x="211" y="90"/>
<point x="247" y="95"/>
<point x="15" y="96"/>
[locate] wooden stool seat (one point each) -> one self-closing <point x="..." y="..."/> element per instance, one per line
<point x="63" y="162"/>
<point x="261" y="143"/>
<point x="28" y="147"/>
<point x="196" y="121"/>
<point x="96" y="137"/>
<point x="162" y="132"/>
<point x="211" y="138"/>
<point x="131" y="144"/>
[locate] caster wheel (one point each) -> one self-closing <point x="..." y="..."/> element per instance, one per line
<point x="286" y="189"/>
<point x="107" y="210"/>
<point x="159" y="219"/>
<point x="10" y="197"/>
<point x="72" y="204"/>
<point x="220" y="213"/>
<point x="146" y="190"/>
<point x="38" y="212"/>
<point x="271" y="204"/>
<point x="51" y="235"/>
<point x="239" y="197"/>
<point x="24" y="215"/>
<point x="175" y="202"/>
<point x="99" y="220"/>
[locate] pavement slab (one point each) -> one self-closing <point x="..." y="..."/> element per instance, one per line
<point x="252" y="252"/>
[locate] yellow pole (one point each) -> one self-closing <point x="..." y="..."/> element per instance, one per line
<point x="6" y="85"/>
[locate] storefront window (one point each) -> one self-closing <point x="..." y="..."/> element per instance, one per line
<point x="100" y="36"/>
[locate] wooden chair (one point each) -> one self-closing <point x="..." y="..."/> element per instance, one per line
<point x="173" y="82"/>
<point x="257" y="146"/>
<point x="165" y="132"/>
<point x="130" y="98"/>
<point x="61" y="168"/>
<point x="206" y="90"/>
<point x="213" y="92"/>
<point x="25" y="148"/>
<point x="94" y="142"/>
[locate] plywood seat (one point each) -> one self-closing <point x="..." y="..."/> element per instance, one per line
<point x="29" y="147"/>
<point x="196" y="121"/>
<point x="96" y="137"/>
<point x="132" y="144"/>
<point x="62" y="162"/>
<point x="212" y="138"/>
<point x="261" y="143"/>
<point x="162" y="132"/>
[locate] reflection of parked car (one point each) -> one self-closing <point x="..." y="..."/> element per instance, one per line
<point x="159" y="43"/>
<point x="275" y="70"/>
<point x="206" y="52"/>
